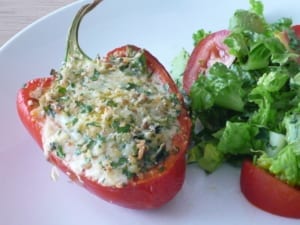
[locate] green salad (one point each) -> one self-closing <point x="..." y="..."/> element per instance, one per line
<point x="250" y="109"/>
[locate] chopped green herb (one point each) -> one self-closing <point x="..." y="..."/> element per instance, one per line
<point x="101" y="138"/>
<point x="49" y="111"/>
<point x="135" y="67"/>
<point x="61" y="90"/>
<point x="74" y="121"/>
<point x="60" y="152"/>
<point x="84" y="108"/>
<point x="121" y="162"/>
<point x="128" y="174"/>
<point x="130" y="86"/>
<point x="90" y="144"/>
<point x="116" y="125"/>
<point x="93" y="124"/>
<point x="111" y="103"/>
<point x="95" y="75"/>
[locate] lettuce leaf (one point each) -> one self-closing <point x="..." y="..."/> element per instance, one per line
<point x="285" y="165"/>
<point x="237" y="138"/>
<point x="251" y="108"/>
<point x="221" y="87"/>
<point x="207" y="157"/>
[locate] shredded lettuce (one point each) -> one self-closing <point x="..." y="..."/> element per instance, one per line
<point x="251" y="108"/>
<point x="199" y="35"/>
<point x="207" y="157"/>
<point x="237" y="138"/>
<point x="178" y="66"/>
<point x="285" y="163"/>
<point x="221" y="87"/>
<point x="257" y="7"/>
<point x="245" y="20"/>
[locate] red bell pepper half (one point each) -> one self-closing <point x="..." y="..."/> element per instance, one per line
<point x="156" y="187"/>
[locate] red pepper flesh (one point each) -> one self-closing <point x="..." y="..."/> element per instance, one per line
<point x="156" y="187"/>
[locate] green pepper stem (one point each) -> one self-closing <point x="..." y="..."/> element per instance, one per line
<point x="73" y="47"/>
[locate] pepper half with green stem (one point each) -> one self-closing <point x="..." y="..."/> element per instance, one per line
<point x="157" y="184"/>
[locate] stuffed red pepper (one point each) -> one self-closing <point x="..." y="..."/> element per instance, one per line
<point x="115" y="125"/>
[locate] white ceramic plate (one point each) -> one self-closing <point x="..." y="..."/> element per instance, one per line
<point x="29" y="196"/>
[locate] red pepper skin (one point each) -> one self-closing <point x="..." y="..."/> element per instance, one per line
<point x="156" y="187"/>
<point x="208" y="51"/>
<point x="26" y="103"/>
<point x="269" y="193"/>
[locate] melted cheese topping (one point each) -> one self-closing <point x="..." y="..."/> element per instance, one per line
<point x="109" y="121"/>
